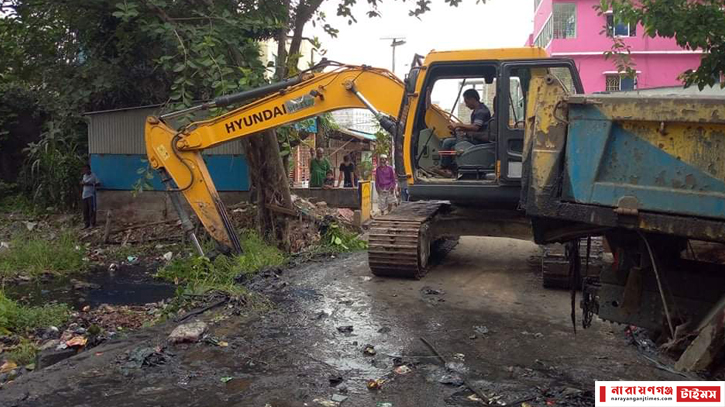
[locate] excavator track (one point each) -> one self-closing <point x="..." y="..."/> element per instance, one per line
<point x="400" y="242"/>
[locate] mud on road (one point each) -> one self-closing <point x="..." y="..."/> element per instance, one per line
<point x="483" y="309"/>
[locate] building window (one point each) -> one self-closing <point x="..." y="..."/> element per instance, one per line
<point x="564" y="20"/>
<point x="618" y="82"/>
<point x="560" y="25"/>
<point x="547" y="33"/>
<point x="617" y="28"/>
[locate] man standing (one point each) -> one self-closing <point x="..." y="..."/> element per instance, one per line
<point x="480" y="116"/>
<point x="89" y="181"/>
<point x="385" y="184"/>
<point x="347" y="171"/>
<point x="319" y="165"/>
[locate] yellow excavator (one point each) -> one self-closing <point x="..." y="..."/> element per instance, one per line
<point x="480" y="197"/>
<point x="645" y="172"/>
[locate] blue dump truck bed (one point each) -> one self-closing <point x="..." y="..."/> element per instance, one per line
<point x="665" y="155"/>
<point x="651" y="163"/>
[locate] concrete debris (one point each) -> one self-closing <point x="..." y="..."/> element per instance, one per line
<point x="481" y="330"/>
<point x="146" y="356"/>
<point x="456" y="367"/>
<point x="338" y="398"/>
<point x="49" y="357"/>
<point x="346" y="213"/>
<point x="345" y="329"/>
<point x="451" y="379"/>
<point x="325" y="403"/>
<point x="49" y="344"/>
<point x="190" y="332"/>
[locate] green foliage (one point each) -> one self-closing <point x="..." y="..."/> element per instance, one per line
<point x="52" y="171"/>
<point x="693" y="24"/>
<point x="17" y="203"/>
<point x="34" y="255"/>
<point x="337" y="239"/>
<point x="144" y="181"/>
<point x="24" y="353"/>
<point x="19" y="319"/>
<point x="62" y="59"/>
<point x="212" y="48"/>
<point x="12" y="201"/>
<point x="200" y="274"/>
<point x="383" y="142"/>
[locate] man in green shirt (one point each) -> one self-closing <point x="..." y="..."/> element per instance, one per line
<point x="319" y="165"/>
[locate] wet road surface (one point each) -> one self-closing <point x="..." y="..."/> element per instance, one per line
<point x="483" y="308"/>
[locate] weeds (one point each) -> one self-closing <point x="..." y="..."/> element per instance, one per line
<point x="18" y="319"/>
<point x="17" y="203"/>
<point x="200" y="274"/>
<point x="35" y="255"/>
<point x="338" y="240"/>
<point x="52" y="168"/>
<point x="23" y="354"/>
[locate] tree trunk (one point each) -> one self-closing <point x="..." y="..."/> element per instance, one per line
<point x="281" y="66"/>
<point x="269" y="179"/>
<point x="267" y="169"/>
<point x="303" y="14"/>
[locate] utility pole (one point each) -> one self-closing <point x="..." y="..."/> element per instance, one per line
<point x="396" y="41"/>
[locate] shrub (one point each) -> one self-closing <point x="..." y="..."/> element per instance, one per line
<point x="35" y="255"/>
<point x="18" y="319"/>
<point x="201" y="274"/>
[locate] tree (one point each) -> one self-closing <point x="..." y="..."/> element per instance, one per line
<point x="69" y="57"/>
<point x="269" y="175"/>
<point x="693" y="24"/>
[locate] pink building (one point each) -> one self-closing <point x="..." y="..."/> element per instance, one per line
<point x="572" y="29"/>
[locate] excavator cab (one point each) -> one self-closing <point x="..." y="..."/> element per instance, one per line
<point x="484" y="165"/>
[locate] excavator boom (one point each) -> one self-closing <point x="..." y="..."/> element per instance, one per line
<point x="176" y="154"/>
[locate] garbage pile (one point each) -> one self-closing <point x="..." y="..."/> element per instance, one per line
<point x="86" y="329"/>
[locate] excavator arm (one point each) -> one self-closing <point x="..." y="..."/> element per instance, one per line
<point x="176" y="154"/>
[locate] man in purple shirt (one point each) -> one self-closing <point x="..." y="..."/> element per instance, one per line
<point x="385" y="184"/>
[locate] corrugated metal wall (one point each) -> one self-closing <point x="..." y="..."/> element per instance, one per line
<point x="122" y="132"/>
<point x="117" y="153"/>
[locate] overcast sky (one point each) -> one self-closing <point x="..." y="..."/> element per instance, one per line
<point x="496" y="24"/>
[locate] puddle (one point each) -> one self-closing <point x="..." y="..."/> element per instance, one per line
<point x="127" y="285"/>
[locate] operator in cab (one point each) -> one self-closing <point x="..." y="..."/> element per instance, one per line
<point x="480" y="116"/>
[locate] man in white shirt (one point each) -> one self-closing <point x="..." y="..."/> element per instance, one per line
<point x="89" y="183"/>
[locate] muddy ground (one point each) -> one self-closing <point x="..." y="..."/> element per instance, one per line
<point x="293" y="354"/>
